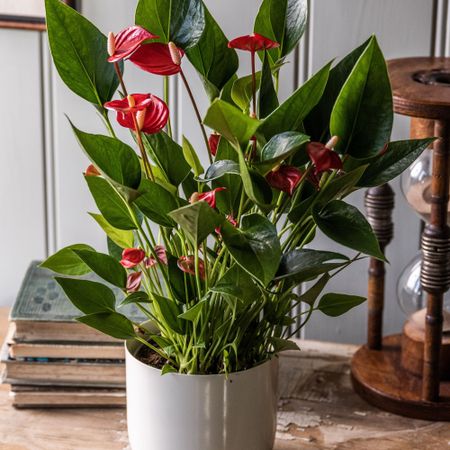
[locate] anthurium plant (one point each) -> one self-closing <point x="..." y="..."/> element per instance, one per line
<point x="212" y="253"/>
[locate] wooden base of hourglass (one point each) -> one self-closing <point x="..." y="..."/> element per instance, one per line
<point x="380" y="379"/>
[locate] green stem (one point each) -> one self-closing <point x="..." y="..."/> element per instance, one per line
<point x="166" y="100"/>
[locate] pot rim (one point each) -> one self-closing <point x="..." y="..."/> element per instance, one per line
<point x="129" y="342"/>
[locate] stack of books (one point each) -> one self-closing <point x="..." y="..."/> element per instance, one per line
<point x="49" y="359"/>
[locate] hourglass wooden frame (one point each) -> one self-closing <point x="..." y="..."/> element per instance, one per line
<point x="383" y="369"/>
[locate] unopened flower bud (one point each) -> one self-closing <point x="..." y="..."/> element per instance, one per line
<point x="111" y="44"/>
<point x="140" y="119"/>
<point x="131" y="102"/>
<point x="174" y="54"/>
<point x="332" y="142"/>
<point x="194" y="197"/>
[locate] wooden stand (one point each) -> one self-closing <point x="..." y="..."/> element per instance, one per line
<point x="392" y="378"/>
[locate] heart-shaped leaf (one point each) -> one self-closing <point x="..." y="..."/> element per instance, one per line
<point x="268" y="99"/>
<point x="335" y="305"/>
<point x="66" y="262"/>
<point x="122" y="238"/>
<point x="242" y="90"/>
<point x="111" y="323"/>
<point x="220" y="168"/>
<point x="169" y="313"/>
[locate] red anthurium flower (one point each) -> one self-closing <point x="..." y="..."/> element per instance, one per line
<point x="187" y="265"/>
<point x="92" y="171"/>
<point x="160" y="253"/>
<point x="151" y="112"/>
<point x="131" y="257"/>
<point x="126" y="42"/>
<point x="323" y="157"/>
<point x="285" y="178"/>
<point x="208" y="197"/>
<point x="134" y="281"/>
<point x="213" y="141"/>
<point x="157" y="58"/>
<point x="253" y="43"/>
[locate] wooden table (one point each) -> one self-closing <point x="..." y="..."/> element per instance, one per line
<point x="318" y="410"/>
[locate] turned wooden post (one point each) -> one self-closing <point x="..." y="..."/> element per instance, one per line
<point x="379" y="203"/>
<point x="435" y="273"/>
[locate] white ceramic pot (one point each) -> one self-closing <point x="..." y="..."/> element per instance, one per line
<point x="200" y="412"/>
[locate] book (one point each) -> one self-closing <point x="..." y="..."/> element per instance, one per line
<point x="42" y="312"/>
<point x="67" y="397"/>
<point x="61" y="372"/>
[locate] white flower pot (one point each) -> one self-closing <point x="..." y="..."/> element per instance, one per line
<point x="200" y="412"/>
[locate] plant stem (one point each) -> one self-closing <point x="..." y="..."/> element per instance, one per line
<point x="147" y="166"/>
<point x="254" y="81"/>
<point x="120" y="76"/>
<point x="167" y="99"/>
<point x="197" y="113"/>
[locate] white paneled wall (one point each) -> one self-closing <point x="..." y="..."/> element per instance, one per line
<point x="43" y="195"/>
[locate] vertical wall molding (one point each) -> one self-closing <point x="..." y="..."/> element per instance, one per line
<point x="440" y="38"/>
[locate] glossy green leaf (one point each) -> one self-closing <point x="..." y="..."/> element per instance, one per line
<point x="79" y="51"/>
<point x="335" y="305"/>
<point x="66" y="262"/>
<point x="317" y="123"/>
<point x="179" y="21"/>
<point x="169" y="313"/>
<point x="279" y="148"/>
<point x="88" y="296"/>
<point x="242" y="90"/>
<point x="135" y="297"/>
<point x="179" y="284"/>
<point x="283" y="21"/>
<point x="122" y="238"/>
<point x="289" y="115"/>
<point x="306" y="264"/>
<point x="281" y="345"/>
<point x="346" y="225"/>
<point x="312" y="294"/>
<point x="396" y="159"/>
<point x="220" y="168"/>
<point x="156" y="203"/>
<point x="255" y="246"/>
<point x="193" y="313"/>
<point x="168" y="155"/>
<point x="198" y="220"/>
<point x="214" y="61"/>
<point x="104" y="266"/>
<point x="190" y="155"/>
<point x="362" y="116"/>
<point x="268" y="99"/>
<point x="111" y="323"/>
<point x="232" y="124"/>
<point x="115" y="159"/>
<point x="111" y="204"/>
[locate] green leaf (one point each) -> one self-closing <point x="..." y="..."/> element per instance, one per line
<point x="279" y="148"/>
<point x="179" y="284"/>
<point x="362" y="116"/>
<point x="169" y="313"/>
<point x="191" y="157"/>
<point x="239" y="284"/>
<point x="115" y="159"/>
<point x="167" y="368"/>
<point x="156" y="203"/>
<point x="312" y="294"/>
<point x="79" y="51"/>
<point x="306" y="264"/>
<point x="122" y="238"/>
<point x="135" y="297"/>
<point x="242" y="90"/>
<point x="168" y="155"/>
<point x="255" y="185"/>
<point x="255" y="246"/>
<point x="283" y="21"/>
<point x="281" y="345"/>
<point x="180" y="21"/>
<point x="88" y="296"/>
<point x="232" y="124"/>
<point x="211" y="57"/>
<point x="104" y="266"/>
<point x="198" y="220"/>
<point x="66" y="262"/>
<point x="268" y="99"/>
<point x="193" y="314"/>
<point x="397" y="158"/>
<point x="337" y="304"/>
<point x="289" y="115"/>
<point x="346" y="225"/>
<point x="111" y="204"/>
<point x="220" y="168"/>
<point x="318" y="121"/>
<point x="110" y="323"/>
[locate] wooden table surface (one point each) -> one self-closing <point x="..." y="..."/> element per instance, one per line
<point x="318" y="410"/>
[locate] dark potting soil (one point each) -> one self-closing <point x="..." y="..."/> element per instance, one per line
<point x="151" y="358"/>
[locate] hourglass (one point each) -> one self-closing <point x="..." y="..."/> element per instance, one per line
<point x="409" y="373"/>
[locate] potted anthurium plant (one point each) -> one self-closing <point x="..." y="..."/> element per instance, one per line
<point x="212" y="255"/>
